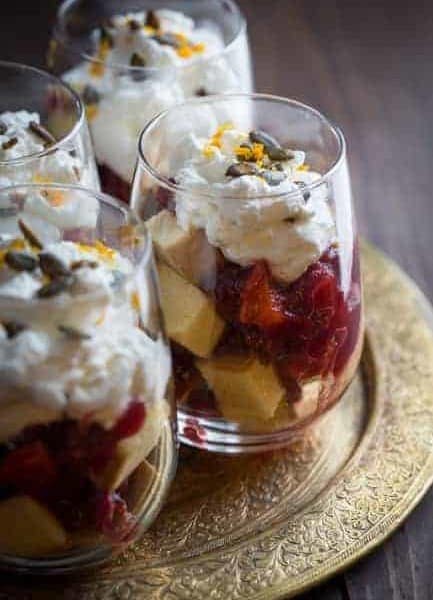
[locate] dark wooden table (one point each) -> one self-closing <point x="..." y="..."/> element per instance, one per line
<point x="369" y="66"/>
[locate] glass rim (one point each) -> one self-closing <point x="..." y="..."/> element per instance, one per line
<point x="58" y="37"/>
<point x="289" y="102"/>
<point x="70" y="134"/>
<point x="103" y="199"/>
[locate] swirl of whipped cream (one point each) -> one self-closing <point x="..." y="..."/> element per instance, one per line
<point x="121" y="104"/>
<point x="247" y="217"/>
<point x="19" y="139"/>
<point x="82" y="352"/>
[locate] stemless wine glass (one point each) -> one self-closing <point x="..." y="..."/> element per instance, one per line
<point x="87" y="424"/>
<point x="44" y="135"/>
<point x="248" y="201"/>
<point x="130" y="59"/>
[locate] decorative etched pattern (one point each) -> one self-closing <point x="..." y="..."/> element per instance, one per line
<point x="268" y="526"/>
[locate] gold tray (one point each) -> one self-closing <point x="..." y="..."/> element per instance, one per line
<point x="269" y="526"/>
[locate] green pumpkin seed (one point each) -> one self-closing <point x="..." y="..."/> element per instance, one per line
<point x="29" y="235"/>
<point x="42" y="133"/>
<point x="52" y="266"/>
<point x="20" y="261"/>
<point x="55" y="287"/>
<point x="14" y="328"/>
<point x="73" y="333"/>
<point x="240" y="169"/>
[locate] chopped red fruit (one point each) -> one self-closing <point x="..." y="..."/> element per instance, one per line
<point x="112" y="517"/>
<point x="131" y="421"/>
<point x="261" y="304"/>
<point x="29" y="468"/>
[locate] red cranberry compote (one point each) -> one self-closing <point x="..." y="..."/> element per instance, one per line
<point x="63" y="466"/>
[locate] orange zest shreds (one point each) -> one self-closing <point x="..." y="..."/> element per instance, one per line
<point x="103" y="252"/>
<point x="209" y="151"/>
<point x="199" y="48"/>
<point x="101" y="318"/>
<point x="244" y="153"/>
<point x="216" y="138"/>
<point x="185" y="51"/>
<point x="91" y="111"/>
<point x="150" y="30"/>
<point x="303" y="168"/>
<point x="258" y="151"/>
<point x="56" y="197"/>
<point x="182" y="39"/>
<point x="39" y="178"/>
<point x="135" y="301"/>
<point x="97" y="68"/>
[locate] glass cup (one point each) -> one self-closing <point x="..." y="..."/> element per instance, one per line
<point x="87" y="423"/>
<point x="248" y="201"/>
<point x="125" y="78"/>
<point x="44" y="137"/>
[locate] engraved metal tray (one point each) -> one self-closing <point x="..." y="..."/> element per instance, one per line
<point x="269" y="526"/>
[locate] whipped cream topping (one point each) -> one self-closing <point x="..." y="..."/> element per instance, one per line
<point x="183" y="59"/>
<point x="252" y="206"/>
<point x="79" y="351"/>
<point x="22" y="136"/>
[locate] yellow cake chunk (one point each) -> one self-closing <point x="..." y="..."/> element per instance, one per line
<point x="188" y="252"/>
<point x="139" y="487"/>
<point x="243" y="389"/>
<point x="29" y="529"/>
<point x="190" y="316"/>
<point x="131" y="451"/>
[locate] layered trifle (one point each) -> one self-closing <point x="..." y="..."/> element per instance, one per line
<point x="135" y="64"/>
<point x="258" y="265"/>
<point x="86" y="441"/>
<point x="43" y="130"/>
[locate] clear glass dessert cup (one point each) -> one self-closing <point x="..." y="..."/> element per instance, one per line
<point x="44" y="136"/>
<point x="125" y="79"/>
<point x="248" y="201"/>
<point x="87" y="422"/>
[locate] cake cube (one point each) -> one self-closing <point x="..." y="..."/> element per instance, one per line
<point x="187" y="252"/>
<point x="308" y="403"/>
<point x="190" y="316"/>
<point x="28" y="529"/>
<point x="132" y="451"/>
<point x="243" y="389"/>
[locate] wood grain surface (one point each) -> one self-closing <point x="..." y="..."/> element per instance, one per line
<point x="369" y="66"/>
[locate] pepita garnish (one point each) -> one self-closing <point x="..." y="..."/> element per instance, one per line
<point x="201" y="91"/>
<point x="90" y="95"/>
<point x="31" y="237"/>
<point x="14" y="328"/>
<point x="152" y="20"/>
<point x="136" y="60"/>
<point x="52" y="266"/>
<point x="83" y="263"/>
<point x="240" y="169"/>
<point x="3" y="127"/>
<point x="55" y="287"/>
<point x="74" y="333"/>
<point x="167" y="39"/>
<point x="10" y="143"/>
<point x="20" y="261"/>
<point x="134" y="25"/>
<point x="273" y="148"/>
<point x="42" y="133"/>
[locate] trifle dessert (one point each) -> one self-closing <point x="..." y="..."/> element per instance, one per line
<point x="134" y="63"/>
<point x="253" y="230"/>
<point x="86" y="434"/>
<point x="43" y="131"/>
